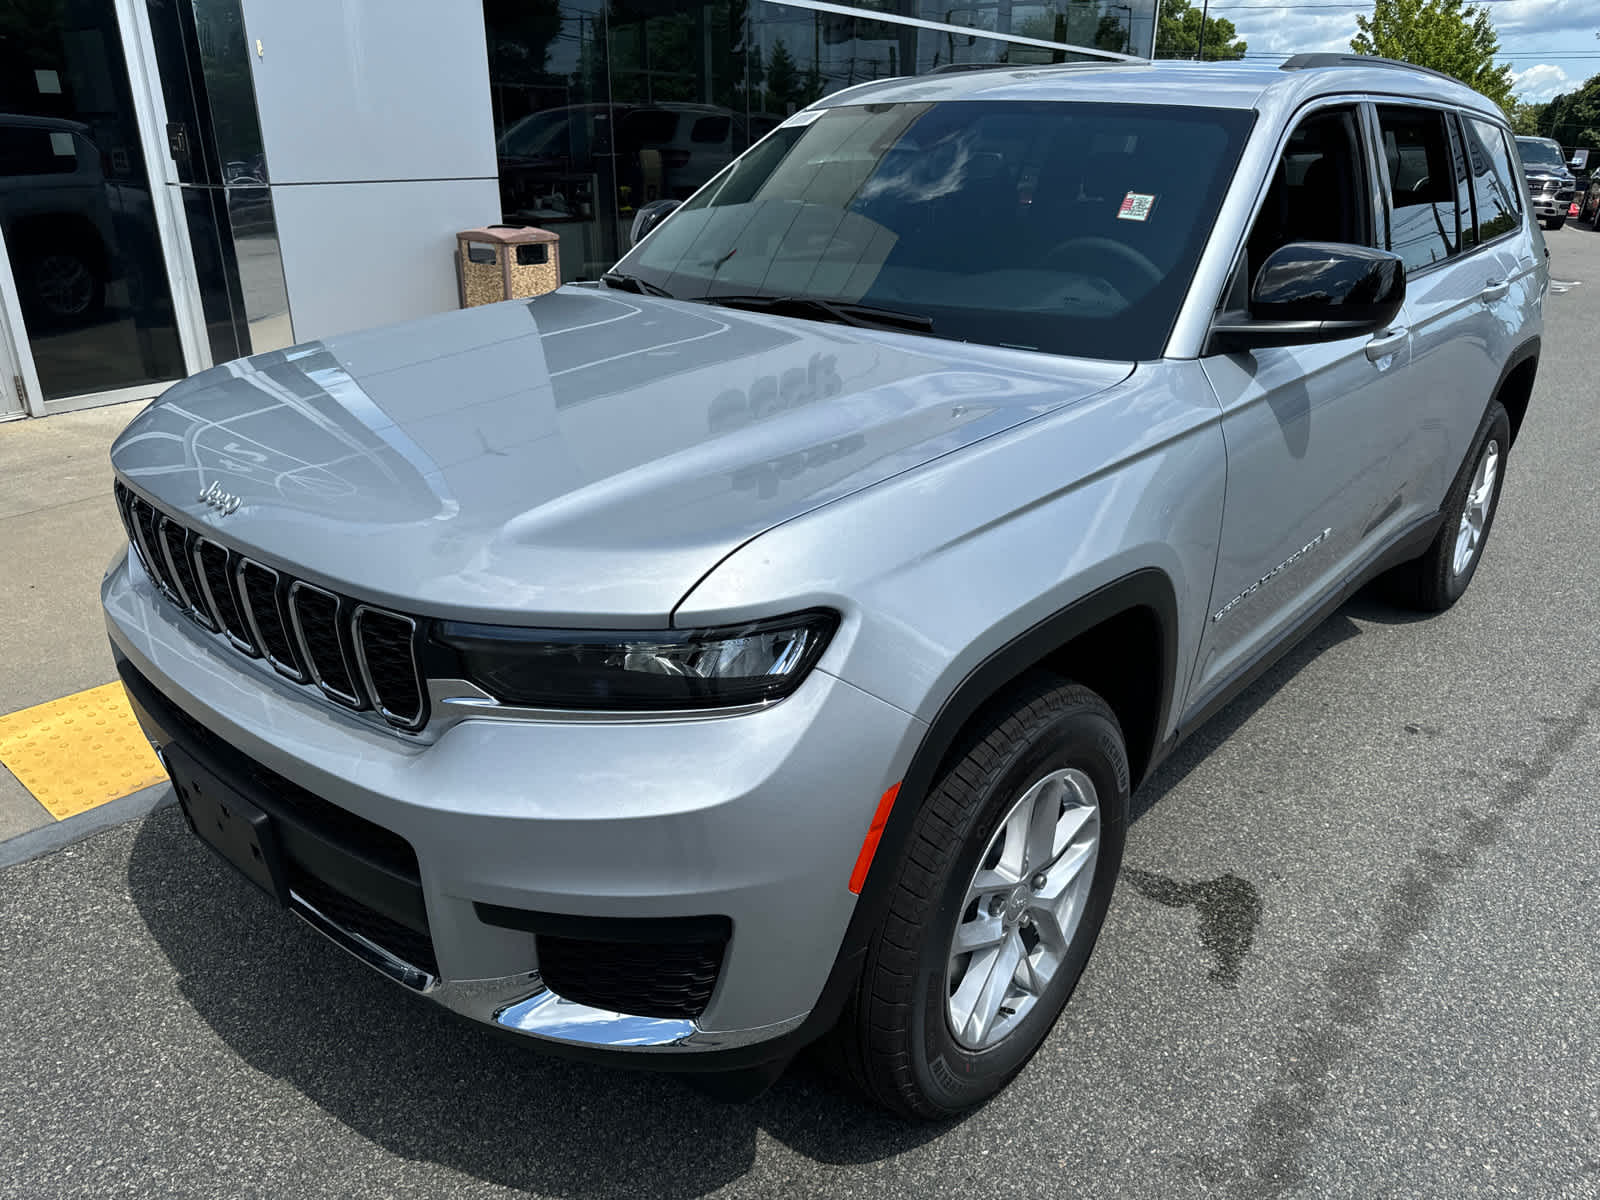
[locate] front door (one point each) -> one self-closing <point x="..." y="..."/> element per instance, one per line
<point x="1310" y="430"/>
<point x="92" y="312"/>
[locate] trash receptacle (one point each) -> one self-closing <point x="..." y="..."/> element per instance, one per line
<point x="506" y="262"/>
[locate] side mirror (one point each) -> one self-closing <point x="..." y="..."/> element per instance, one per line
<point x="1315" y="292"/>
<point x="649" y="216"/>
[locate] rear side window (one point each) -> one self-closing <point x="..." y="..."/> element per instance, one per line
<point x="1423" y="227"/>
<point x="1494" y="179"/>
<point x="710" y="129"/>
<point x="29" y="151"/>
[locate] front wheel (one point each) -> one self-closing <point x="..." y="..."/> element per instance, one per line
<point x="997" y="903"/>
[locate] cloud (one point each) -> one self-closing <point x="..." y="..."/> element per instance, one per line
<point x="1540" y="83"/>
<point x="1544" y="18"/>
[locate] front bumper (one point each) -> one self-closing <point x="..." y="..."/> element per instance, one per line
<point x="1551" y="204"/>
<point x="755" y="819"/>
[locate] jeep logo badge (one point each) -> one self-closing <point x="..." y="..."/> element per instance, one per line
<point x="223" y="502"/>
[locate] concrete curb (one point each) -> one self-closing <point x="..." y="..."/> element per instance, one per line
<point x="49" y="838"/>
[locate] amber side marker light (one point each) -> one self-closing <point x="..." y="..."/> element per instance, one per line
<point x="869" y="845"/>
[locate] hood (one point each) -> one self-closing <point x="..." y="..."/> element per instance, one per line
<point x="582" y="459"/>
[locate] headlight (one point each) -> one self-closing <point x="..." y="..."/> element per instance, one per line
<point x="659" y="669"/>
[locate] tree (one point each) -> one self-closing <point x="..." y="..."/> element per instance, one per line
<point x="784" y="89"/>
<point x="1441" y="34"/>
<point x="1525" y="117"/>
<point x="1178" y="33"/>
<point x="1573" y="118"/>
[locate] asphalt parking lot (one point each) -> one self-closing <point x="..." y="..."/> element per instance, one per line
<point x="1353" y="954"/>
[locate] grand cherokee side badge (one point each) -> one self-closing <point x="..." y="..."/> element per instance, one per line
<point x="1267" y="578"/>
<point x="223" y="502"/>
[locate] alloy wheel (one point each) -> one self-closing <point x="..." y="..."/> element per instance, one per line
<point x="1022" y="908"/>
<point x="1469" y="536"/>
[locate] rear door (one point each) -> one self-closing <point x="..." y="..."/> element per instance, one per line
<point x="1456" y="290"/>
<point x="1310" y="430"/>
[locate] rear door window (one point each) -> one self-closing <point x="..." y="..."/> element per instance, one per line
<point x="1424" y="223"/>
<point x="1495" y="185"/>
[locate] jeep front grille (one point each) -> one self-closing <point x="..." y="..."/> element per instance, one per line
<point x="359" y="656"/>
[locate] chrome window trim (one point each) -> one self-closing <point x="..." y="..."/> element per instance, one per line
<point x="243" y="647"/>
<point x="396" y="719"/>
<point x="295" y="588"/>
<point x="287" y="670"/>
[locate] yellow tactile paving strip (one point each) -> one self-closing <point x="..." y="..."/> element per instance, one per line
<point x="80" y="751"/>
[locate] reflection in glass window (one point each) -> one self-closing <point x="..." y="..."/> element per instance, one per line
<point x="77" y="214"/>
<point x="1423" y="228"/>
<point x="601" y="108"/>
<point x="1494" y="180"/>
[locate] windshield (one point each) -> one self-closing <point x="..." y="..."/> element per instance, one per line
<point x="547" y="133"/>
<point x="1069" y="228"/>
<point x="1537" y="153"/>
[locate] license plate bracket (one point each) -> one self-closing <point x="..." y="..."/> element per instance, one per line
<point x="229" y="823"/>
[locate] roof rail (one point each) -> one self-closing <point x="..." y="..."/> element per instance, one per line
<point x="952" y="68"/>
<point x="1311" y="62"/>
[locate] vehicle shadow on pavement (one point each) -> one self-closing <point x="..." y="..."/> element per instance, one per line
<point x="424" y="1084"/>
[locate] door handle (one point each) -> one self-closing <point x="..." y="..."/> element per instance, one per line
<point x="1495" y="289"/>
<point x="1387" y="343"/>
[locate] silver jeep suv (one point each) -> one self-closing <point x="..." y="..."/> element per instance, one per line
<point x="763" y="642"/>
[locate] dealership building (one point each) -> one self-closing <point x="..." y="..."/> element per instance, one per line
<point x="183" y="182"/>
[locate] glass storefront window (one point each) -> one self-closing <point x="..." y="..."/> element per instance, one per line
<point x="600" y="107"/>
<point x="76" y="209"/>
<point x="550" y="91"/>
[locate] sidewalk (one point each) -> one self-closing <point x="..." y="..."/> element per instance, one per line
<point x="58" y="530"/>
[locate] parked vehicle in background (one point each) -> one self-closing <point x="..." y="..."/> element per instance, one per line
<point x="1589" y="205"/>
<point x="762" y="644"/>
<point x="55" y="210"/>
<point x="1550" y="183"/>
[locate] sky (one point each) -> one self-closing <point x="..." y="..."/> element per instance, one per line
<point x="1550" y="44"/>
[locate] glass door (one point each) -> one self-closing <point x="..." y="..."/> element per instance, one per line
<point x="92" y="306"/>
<point x="10" y="374"/>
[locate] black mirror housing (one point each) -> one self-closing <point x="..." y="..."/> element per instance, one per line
<point x="1310" y="292"/>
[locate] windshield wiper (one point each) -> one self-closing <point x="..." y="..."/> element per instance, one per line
<point x="632" y="283"/>
<point x="861" y="315"/>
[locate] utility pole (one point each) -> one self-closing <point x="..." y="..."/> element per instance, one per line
<point x="1205" y="7"/>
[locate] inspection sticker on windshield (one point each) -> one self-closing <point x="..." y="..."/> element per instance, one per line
<point x="1136" y="206"/>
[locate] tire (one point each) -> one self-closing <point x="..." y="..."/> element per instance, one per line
<point x="896" y="1040"/>
<point x="1435" y="581"/>
<point x="65" y="286"/>
<point x="1555" y="223"/>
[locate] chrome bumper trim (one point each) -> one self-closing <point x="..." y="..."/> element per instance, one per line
<point x="554" y="1019"/>
<point x="374" y="955"/>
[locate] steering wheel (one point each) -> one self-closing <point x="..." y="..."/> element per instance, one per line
<point x="1126" y="256"/>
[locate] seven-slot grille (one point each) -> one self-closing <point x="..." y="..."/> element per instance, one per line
<point x="357" y="655"/>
